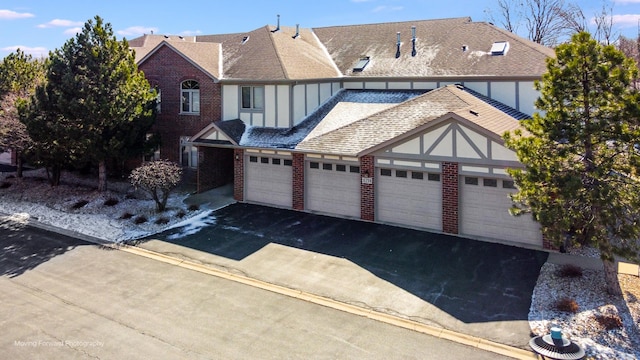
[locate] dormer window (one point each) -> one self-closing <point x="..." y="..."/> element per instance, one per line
<point x="253" y="97"/>
<point x="499" y="48"/>
<point x="364" y="61"/>
<point x="190" y="90"/>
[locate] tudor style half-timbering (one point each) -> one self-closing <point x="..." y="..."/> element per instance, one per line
<point x="360" y="121"/>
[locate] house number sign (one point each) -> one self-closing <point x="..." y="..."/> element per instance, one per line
<point x="367" y="180"/>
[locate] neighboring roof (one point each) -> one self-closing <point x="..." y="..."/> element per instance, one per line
<point x="205" y="56"/>
<point x="358" y="137"/>
<point x="439" y="49"/>
<point x="265" y="54"/>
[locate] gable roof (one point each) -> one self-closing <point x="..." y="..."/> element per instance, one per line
<point x="266" y="54"/>
<point x="373" y="132"/>
<point x="205" y="56"/>
<point x="444" y="47"/>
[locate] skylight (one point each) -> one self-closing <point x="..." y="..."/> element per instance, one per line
<point x="499" y="48"/>
<point x="361" y="64"/>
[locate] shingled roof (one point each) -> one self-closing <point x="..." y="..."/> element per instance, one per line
<point x="363" y="135"/>
<point x="444" y="47"/>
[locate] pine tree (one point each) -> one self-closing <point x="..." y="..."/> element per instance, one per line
<point x="581" y="153"/>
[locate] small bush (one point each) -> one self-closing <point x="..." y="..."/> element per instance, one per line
<point x="11" y="176"/>
<point x="609" y="321"/>
<point x="181" y="213"/>
<point x="4" y="185"/>
<point x="130" y="197"/>
<point x="111" y="202"/>
<point x="126" y="216"/>
<point x="162" y="220"/>
<point x="570" y="271"/>
<point x="79" y="204"/>
<point x="567" y="305"/>
<point x="193" y="207"/>
<point x="140" y="219"/>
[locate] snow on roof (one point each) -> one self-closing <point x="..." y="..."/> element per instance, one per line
<point x="288" y="138"/>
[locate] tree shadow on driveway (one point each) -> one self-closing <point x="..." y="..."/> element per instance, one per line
<point x="25" y="250"/>
<point x="473" y="281"/>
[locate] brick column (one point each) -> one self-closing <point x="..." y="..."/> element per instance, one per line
<point x="450" y="197"/>
<point x="238" y="174"/>
<point x="367" y="194"/>
<point x="298" y="181"/>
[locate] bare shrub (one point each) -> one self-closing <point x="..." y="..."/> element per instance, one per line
<point x="570" y="271"/>
<point x="162" y="220"/>
<point x="4" y="185"/>
<point x="111" y="202"/>
<point x="79" y="204"/>
<point x="158" y="178"/>
<point x="126" y="215"/>
<point x="193" y="207"/>
<point x="567" y="305"/>
<point x="609" y="321"/>
<point x="181" y="213"/>
<point x="140" y="219"/>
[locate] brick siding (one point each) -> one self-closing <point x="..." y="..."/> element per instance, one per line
<point x="450" y="180"/>
<point x="238" y="174"/>
<point x="367" y="193"/>
<point x="298" y="181"/>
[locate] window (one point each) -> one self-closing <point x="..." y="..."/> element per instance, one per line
<point x="401" y="173"/>
<point x="252" y="97"/>
<point x="275" y="161"/>
<point x="385" y="172"/>
<point x="253" y="159"/>
<point x="490" y="182"/>
<point x="508" y="184"/>
<point x="326" y="166"/>
<point x="471" y="181"/>
<point x="155" y="153"/>
<point x="288" y="162"/>
<point x="341" y="168"/>
<point x="190" y="97"/>
<point x="354" y="169"/>
<point x="433" y="177"/>
<point x="417" y="175"/>
<point x="264" y="160"/>
<point x="158" y="100"/>
<point x="314" y="165"/>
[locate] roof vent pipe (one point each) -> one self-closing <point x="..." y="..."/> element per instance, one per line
<point x="297" y="31"/>
<point x="277" y="25"/>
<point x="413" y="41"/>
<point x="398" y="46"/>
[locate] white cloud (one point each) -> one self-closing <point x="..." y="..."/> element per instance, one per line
<point x="624" y="2"/>
<point x="190" y="32"/>
<point x="73" y="31"/>
<point x="36" y="52"/>
<point x="387" y="8"/>
<point x="137" y="31"/>
<point x="626" y="20"/>
<point x="61" y="23"/>
<point x="10" y="15"/>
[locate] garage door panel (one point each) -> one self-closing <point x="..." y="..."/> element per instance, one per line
<point x="269" y="183"/>
<point x="408" y="201"/>
<point x="333" y="192"/>
<point x="484" y="211"/>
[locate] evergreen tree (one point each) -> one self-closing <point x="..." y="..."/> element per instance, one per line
<point x="94" y="84"/>
<point x="580" y="153"/>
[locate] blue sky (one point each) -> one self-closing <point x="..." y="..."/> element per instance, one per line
<point x="38" y="26"/>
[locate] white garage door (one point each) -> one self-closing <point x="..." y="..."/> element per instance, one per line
<point x="484" y="211"/>
<point x="333" y="188"/>
<point x="409" y="198"/>
<point x="269" y="180"/>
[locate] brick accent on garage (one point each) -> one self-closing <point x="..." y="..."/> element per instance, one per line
<point x="215" y="167"/>
<point x="298" y="181"/>
<point x="367" y="194"/>
<point x="450" y="193"/>
<point x="238" y="174"/>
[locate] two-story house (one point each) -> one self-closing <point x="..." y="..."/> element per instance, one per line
<point x="397" y="123"/>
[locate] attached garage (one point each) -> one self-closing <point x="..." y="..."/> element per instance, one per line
<point x="484" y="211"/>
<point x="268" y="180"/>
<point x="333" y="188"/>
<point x="411" y="198"/>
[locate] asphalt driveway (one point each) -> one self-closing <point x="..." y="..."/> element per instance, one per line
<point x="483" y="289"/>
